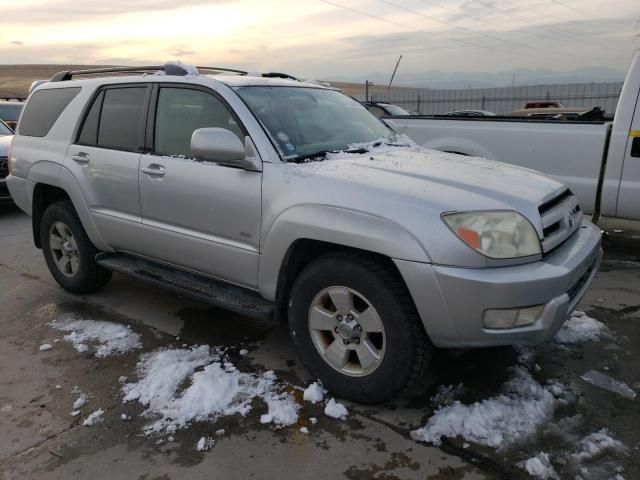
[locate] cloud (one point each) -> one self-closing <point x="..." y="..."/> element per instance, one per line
<point x="62" y="11"/>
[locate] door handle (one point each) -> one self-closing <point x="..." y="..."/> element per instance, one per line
<point x="81" y="157"/>
<point x="154" y="170"/>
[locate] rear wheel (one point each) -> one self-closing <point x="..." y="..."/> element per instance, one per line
<point x="356" y="328"/>
<point x="69" y="253"/>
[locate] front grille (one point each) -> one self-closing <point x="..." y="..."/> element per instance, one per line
<point x="4" y="167"/>
<point x="561" y="216"/>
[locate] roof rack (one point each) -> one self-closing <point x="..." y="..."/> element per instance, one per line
<point x="168" y="68"/>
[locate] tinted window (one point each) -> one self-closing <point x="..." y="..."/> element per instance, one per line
<point x="377" y="111"/>
<point x="43" y="109"/>
<point x="181" y="111"/>
<point x="121" y="117"/>
<point x="10" y="112"/>
<point x="89" y="132"/>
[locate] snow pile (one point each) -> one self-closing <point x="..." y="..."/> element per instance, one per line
<point x="540" y="467"/>
<point x="190" y="69"/>
<point x="111" y="338"/>
<point x="95" y="417"/>
<point x="45" y="346"/>
<point x="214" y="388"/>
<point x="314" y="393"/>
<point x="334" y="409"/>
<point x="580" y="328"/>
<point x="514" y="415"/>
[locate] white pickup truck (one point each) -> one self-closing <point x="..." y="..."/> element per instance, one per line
<point x="599" y="161"/>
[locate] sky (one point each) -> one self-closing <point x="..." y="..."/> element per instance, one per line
<point x="340" y="39"/>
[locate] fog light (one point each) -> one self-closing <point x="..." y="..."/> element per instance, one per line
<point x="511" y="318"/>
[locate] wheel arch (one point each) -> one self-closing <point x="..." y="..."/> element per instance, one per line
<point x="53" y="182"/>
<point x="293" y="242"/>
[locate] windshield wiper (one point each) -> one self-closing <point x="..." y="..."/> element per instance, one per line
<point x="322" y="154"/>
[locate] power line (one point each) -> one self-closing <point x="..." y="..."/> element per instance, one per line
<point x="527" y="21"/>
<point x="453" y="39"/>
<point x="559" y="33"/>
<point x="477" y="32"/>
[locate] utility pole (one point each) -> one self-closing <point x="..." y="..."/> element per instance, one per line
<point x="394" y="74"/>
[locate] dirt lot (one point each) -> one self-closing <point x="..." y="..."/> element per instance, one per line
<point x="41" y="440"/>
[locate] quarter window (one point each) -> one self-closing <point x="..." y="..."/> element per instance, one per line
<point x="180" y="111"/>
<point x="43" y="109"/>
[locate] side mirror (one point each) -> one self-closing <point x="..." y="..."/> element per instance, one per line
<point x="223" y="146"/>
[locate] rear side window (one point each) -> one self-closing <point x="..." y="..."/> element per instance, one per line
<point x="115" y="119"/>
<point x="43" y="109"/>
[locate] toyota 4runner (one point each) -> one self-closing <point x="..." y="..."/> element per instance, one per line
<point x="288" y="200"/>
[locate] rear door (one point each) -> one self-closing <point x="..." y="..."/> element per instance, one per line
<point x="197" y="214"/>
<point x="105" y="159"/>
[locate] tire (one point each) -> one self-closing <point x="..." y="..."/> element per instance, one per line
<point x="402" y="348"/>
<point x="69" y="253"/>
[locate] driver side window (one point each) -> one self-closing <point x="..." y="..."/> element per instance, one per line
<point x="181" y="111"/>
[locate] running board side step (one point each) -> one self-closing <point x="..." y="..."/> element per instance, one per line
<point x="214" y="292"/>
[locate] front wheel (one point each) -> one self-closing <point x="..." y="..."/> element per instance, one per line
<point x="69" y="253"/>
<point x="356" y="328"/>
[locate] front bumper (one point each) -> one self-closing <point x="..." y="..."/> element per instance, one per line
<point x="451" y="301"/>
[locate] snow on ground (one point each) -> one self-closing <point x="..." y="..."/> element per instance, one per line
<point x="45" y="346"/>
<point x="447" y="394"/>
<point x="540" y="467"/>
<point x="80" y="402"/>
<point x="512" y="416"/>
<point x="214" y="388"/>
<point x="334" y="409"/>
<point x="107" y="338"/>
<point x="596" y="444"/>
<point x="314" y="393"/>
<point x="94" y="418"/>
<point x="580" y="328"/>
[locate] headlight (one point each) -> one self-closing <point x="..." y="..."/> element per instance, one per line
<point x="501" y="234"/>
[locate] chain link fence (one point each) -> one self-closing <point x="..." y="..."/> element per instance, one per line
<point x="502" y="100"/>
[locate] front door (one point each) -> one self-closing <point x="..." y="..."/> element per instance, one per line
<point x="105" y="159"/>
<point x="196" y="214"/>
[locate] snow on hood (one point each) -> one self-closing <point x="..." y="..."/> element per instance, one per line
<point x="5" y="141"/>
<point x="443" y="180"/>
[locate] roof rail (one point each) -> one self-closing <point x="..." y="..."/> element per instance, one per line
<point x="168" y="68"/>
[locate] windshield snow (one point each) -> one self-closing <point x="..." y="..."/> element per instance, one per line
<point x="307" y="122"/>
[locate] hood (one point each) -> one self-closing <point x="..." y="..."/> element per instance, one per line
<point x="409" y="188"/>
<point x="443" y="181"/>
<point x="5" y="141"/>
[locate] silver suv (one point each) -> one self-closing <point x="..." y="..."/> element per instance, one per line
<point x="282" y="199"/>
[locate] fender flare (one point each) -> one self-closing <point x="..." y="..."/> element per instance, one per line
<point x="57" y="175"/>
<point x="335" y="225"/>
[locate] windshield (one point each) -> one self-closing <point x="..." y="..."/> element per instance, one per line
<point x="4" y="130"/>
<point x="396" y="110"/>
<point x="310" y="121"/>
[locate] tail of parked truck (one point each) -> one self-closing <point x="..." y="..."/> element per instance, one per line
<point x="599" y="161"/>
